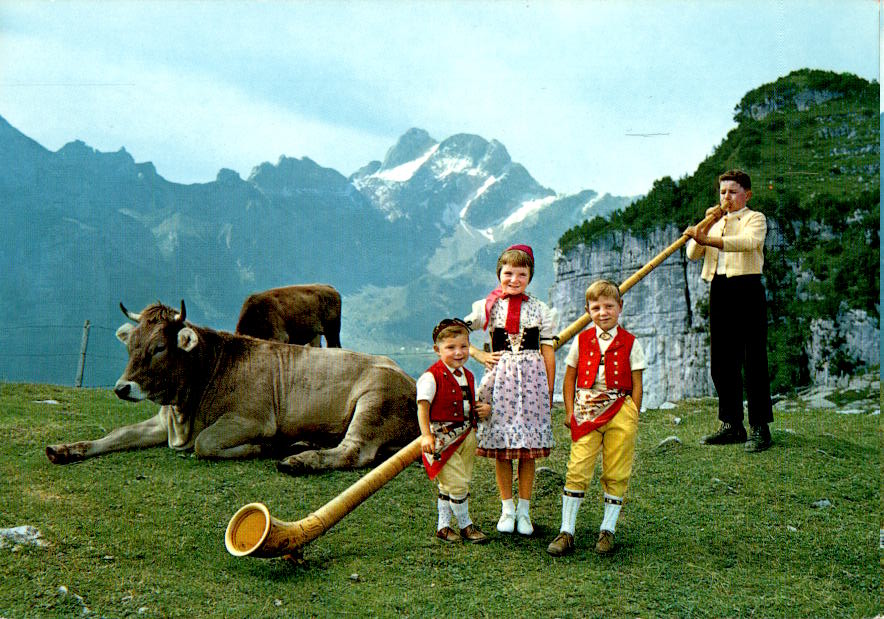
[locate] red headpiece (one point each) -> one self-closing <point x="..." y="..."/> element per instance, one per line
<point x="525" y="248"/>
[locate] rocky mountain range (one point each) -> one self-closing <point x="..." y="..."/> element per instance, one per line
<point x="407" y="240"/>
<point x="414" y="237"/>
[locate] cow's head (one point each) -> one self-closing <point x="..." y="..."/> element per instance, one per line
<point x="160" y="349"/>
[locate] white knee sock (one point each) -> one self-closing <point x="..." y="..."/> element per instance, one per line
<point x="445" y="512"/>
<point x="571" y="500"/>
<point x="524" y="507"/>
<point x="461" y="509"/>
<point x="612" y="512"/>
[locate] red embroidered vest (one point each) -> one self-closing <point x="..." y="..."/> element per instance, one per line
<point x="447" y="405"/>
<point x="618" y="372"/>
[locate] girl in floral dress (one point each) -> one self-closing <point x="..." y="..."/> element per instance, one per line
<point x="518" y="382"/>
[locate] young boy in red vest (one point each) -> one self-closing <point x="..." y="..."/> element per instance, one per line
<point x="447" y="413"/>
<point x="603" y="395"/>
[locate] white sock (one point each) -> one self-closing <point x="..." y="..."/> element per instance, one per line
<point x="571" y="500"/>
<point x="612" y="512"/>
<point x="461" y="509"/>
<point x="507" y="506"/>
<point x="523" y="517"/>
<point x="445" y="512"/>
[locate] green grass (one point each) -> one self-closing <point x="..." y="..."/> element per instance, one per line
<point x="706" y="532"/>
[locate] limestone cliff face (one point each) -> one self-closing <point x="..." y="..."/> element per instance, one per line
<point x="668" y="312"/>
<point x="665" y="310"/>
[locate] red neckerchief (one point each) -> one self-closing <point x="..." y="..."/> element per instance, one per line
<point x="513" y="312"/>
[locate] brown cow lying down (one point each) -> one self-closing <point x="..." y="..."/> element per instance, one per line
<point x="232" y="396"/>
<point x="293" y="314"/>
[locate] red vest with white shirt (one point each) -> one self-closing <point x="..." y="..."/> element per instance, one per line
<point x="447" y="404"/>
<point x="618" y="373"/>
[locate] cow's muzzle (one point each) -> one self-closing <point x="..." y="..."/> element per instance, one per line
<point x="128" y="390"/>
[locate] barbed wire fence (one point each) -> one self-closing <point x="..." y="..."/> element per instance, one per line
<point x="89" y="354"/>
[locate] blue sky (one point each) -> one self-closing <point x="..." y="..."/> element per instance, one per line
<point x="196" y="86"/>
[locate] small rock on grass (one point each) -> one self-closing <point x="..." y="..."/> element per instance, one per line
<point x="669" y="442"/>
<point x="24" y="534"/>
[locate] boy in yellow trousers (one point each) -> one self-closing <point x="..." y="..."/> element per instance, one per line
<point x="603" y="395"/>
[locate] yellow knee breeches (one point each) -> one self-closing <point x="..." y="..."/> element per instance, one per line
<point x="616" y="441"/>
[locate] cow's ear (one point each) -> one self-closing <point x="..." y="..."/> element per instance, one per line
<point x="124" y="331"/>
<point x="187" y="339"/>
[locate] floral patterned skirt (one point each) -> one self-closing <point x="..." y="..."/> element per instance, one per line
<point x="520" y="426"/>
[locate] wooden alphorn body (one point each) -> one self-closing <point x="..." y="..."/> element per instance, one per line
<point x="253" y="532"/>
<point x="578" y="325"/>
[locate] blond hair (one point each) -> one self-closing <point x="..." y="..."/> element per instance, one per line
<point x="602" y="288"/>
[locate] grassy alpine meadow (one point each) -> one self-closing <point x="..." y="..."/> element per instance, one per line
<point x="705" y="531"/>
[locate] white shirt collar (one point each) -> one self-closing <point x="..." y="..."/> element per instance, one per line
<point x="613" y="331"/>
<point x="450" y="369"/>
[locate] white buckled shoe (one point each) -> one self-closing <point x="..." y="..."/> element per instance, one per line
<point x="523" y="524"/>
<point x="507" y="522"/>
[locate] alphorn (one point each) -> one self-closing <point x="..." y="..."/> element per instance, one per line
<point x="253" y="532"/>
<point x="578" y="325"/>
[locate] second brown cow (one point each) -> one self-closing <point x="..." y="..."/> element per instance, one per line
<point x="297" y="314"/>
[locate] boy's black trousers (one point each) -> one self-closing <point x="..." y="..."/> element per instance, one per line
<point x="738" y="348"/>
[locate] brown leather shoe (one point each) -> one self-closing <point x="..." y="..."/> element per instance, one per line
<point x="605" y="545"/>
<point x="473" y="535"/>
<point x="563" y="544"/>
<point x="447" y="534"/>
<point x="726" y="434"/>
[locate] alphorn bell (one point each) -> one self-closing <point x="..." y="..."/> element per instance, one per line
<point x="253" y="532"/>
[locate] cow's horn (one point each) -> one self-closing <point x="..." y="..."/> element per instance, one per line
<point x="130" y="315"/>
<point x="253" y="532"/>
<point x="180" y="317"/>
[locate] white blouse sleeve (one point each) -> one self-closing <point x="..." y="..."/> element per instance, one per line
<point x="476" y="318"/>
<point x="549" y="324"/>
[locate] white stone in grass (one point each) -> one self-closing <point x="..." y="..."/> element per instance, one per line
<point x="849" y="411"/>
<point x="676" y="420"/>
<point x="24" y="534"/>
<point x="821" y="503"/>
<point x="792" y="529"/>
<point x="667" y="406"/>
<point x="65" y="592"/>
<point x="354" y="577"/>
<point x="47" y="402"/>
<point x="669" y="441"/>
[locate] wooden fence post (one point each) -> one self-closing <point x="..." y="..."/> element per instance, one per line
<point x="81" y="366"/>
